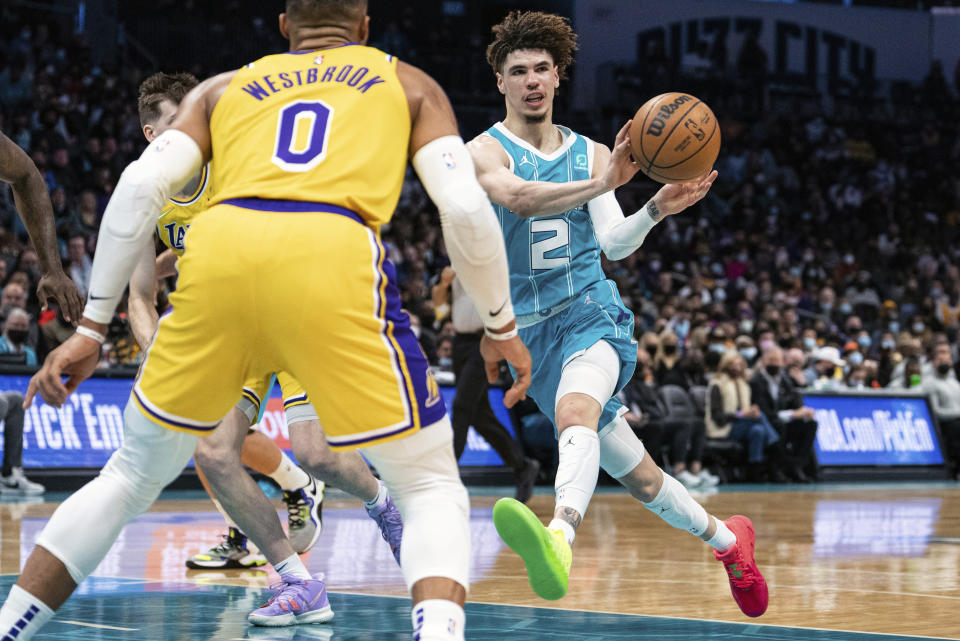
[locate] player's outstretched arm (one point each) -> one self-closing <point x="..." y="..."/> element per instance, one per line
<point x="620" y="236"/>
<point x="168" y="163"/>
<point x="470" y="228"/>
<point x="33" y="203"/>
<point x="528" y="198"/>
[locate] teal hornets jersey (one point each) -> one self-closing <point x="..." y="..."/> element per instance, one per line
<point x="552" y="258"/>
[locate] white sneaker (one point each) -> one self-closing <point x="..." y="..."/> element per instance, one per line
<point x="708" y="478"/>
<point x="17" y="483"/>
<point x="688" y="480"/>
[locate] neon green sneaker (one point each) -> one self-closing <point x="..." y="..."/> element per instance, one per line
<point x="545" y="552"/>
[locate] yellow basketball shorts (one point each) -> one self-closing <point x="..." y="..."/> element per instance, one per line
<point x="296" y="405"/>
<point x="288" y="286"/>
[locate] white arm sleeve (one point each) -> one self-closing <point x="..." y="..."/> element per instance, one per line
<point x="618" y="236"/>
<point x="146" y="184"/>
<point x="470" y="228"/>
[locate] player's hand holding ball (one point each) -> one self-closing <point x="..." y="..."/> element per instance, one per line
<point x="675" y="140"/>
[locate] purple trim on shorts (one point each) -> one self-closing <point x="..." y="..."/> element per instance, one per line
<point x="185" y="426"/>
<point x="292" y="206"/>
<point x="367" y="439"/>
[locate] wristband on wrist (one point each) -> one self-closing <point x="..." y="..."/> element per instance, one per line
<point x="503" y="336"/>
<point x="91" y="333"/>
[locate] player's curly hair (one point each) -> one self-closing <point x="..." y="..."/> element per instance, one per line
<point x="159" y="87"/>
<point x="533" y="30"/>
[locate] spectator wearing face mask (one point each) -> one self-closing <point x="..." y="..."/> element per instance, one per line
<point x="16" y="330"/>
<point x="780" y="401"/>
<point x="747" y="349"/>
<point x="852" y="354"/>
<point x="668" y="357"/>
<point x="887" y="358"/>
<point x="912" y="374"/>
<point x="825" y="373"/>
<point x="650" y="343"/>
<point x="809" y="340"/>
<point x="944" y="391"/>
<point x="732" y="414"/>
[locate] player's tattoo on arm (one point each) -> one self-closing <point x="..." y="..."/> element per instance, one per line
<point x="569" y="515"/>
<point x="654" y="211"/>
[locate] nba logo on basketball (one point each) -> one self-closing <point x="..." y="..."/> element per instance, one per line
<point x="449" y="161"/>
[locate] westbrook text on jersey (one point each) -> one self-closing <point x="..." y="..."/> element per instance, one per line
<point x="286" y="79"/>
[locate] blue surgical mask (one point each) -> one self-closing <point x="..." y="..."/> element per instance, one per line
<point x="655" y="265"/>
<point x="748" y="353"/>
<point x="809" y="343"/>
<point x="854" y="358"/>
<point x="894" y="327"/>
<point x="445" y="362"/>
<point x="845" y="308"/>
<point x="719" y="348"/>
<point x="681" y="328"/>
<point x="746" y="326"/>
<point x="864" y="341"/>
<point x="888" y="344"/>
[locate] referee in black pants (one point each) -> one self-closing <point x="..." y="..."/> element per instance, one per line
<point x="471" y="405"/>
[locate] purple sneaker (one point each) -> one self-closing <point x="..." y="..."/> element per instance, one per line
<point x="390" y="523"/>
<point x="294" y="601"/>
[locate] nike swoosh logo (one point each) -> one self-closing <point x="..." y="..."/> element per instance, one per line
<point x="499" y="309"/>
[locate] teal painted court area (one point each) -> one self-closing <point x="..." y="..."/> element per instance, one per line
<point x="138" y="610"/>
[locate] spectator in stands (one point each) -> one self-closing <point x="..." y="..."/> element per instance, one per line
<point x="445" y="355"/>
<point x="794" y="363"/>
<point x="16" y="330"/>
<point x="747" y="349"/>
<point x="857" y="377"/>
<point x="12" y="478"/>
<point x="688" y="372"/>
<point x="825" y="373"/>
<point x="780" y="401"/>
<point x="80" y="264"/>
<point x="731" y="414"/>
<point x="13" y="297"/>
<point x="668" y="357"/>
<point x="944" y="391"/>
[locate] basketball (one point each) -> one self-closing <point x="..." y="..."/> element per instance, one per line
<point x="675" y="138"/>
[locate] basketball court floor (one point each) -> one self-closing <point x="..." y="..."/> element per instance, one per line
<point x="843" y="562"/>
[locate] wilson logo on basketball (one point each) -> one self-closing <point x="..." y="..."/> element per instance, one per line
<point x="663" y="115"/>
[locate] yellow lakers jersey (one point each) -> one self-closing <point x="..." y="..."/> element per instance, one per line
<point x="175" y="219"/>
<point x="329" y="126"/>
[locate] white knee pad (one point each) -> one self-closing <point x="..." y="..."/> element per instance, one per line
<point x="674" y="505"/>
<point x="620" y="449"/>
<point x="593" y="372"/>
<point x="84" y="527"/>
<point x="422" y="475"/>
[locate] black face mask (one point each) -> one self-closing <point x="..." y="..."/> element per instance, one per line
<point x="652" y="351"/>
<point x="18" y="336"/>
<point x="943" y="369"/>
<point x="773" y="370"/>
<point x="669" y="349"/>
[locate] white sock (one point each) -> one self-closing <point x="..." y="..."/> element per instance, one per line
<point x="566" y="528"/>
<point x="437" y="620"/>
<point x="23" y="614"/>
<point x="724" y="539"/>
<point x="379" y="499"/>
<point x="292" y="565"/>
<point x="674" y="505"/>
<point x="577" y="471"/>
<point x="288" y="476"/>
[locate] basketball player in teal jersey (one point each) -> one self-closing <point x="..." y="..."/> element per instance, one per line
<point x="553" y="193"/>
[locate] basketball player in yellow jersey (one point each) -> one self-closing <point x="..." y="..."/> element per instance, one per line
<point x="220" y="458"/>
<point x="309" y="152"/>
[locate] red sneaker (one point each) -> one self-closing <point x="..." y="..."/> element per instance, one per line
<point x="746" y="583"/>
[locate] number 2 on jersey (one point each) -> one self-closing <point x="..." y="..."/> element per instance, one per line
<point x="302" y="130"/>
<point x="539" y="249"/>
